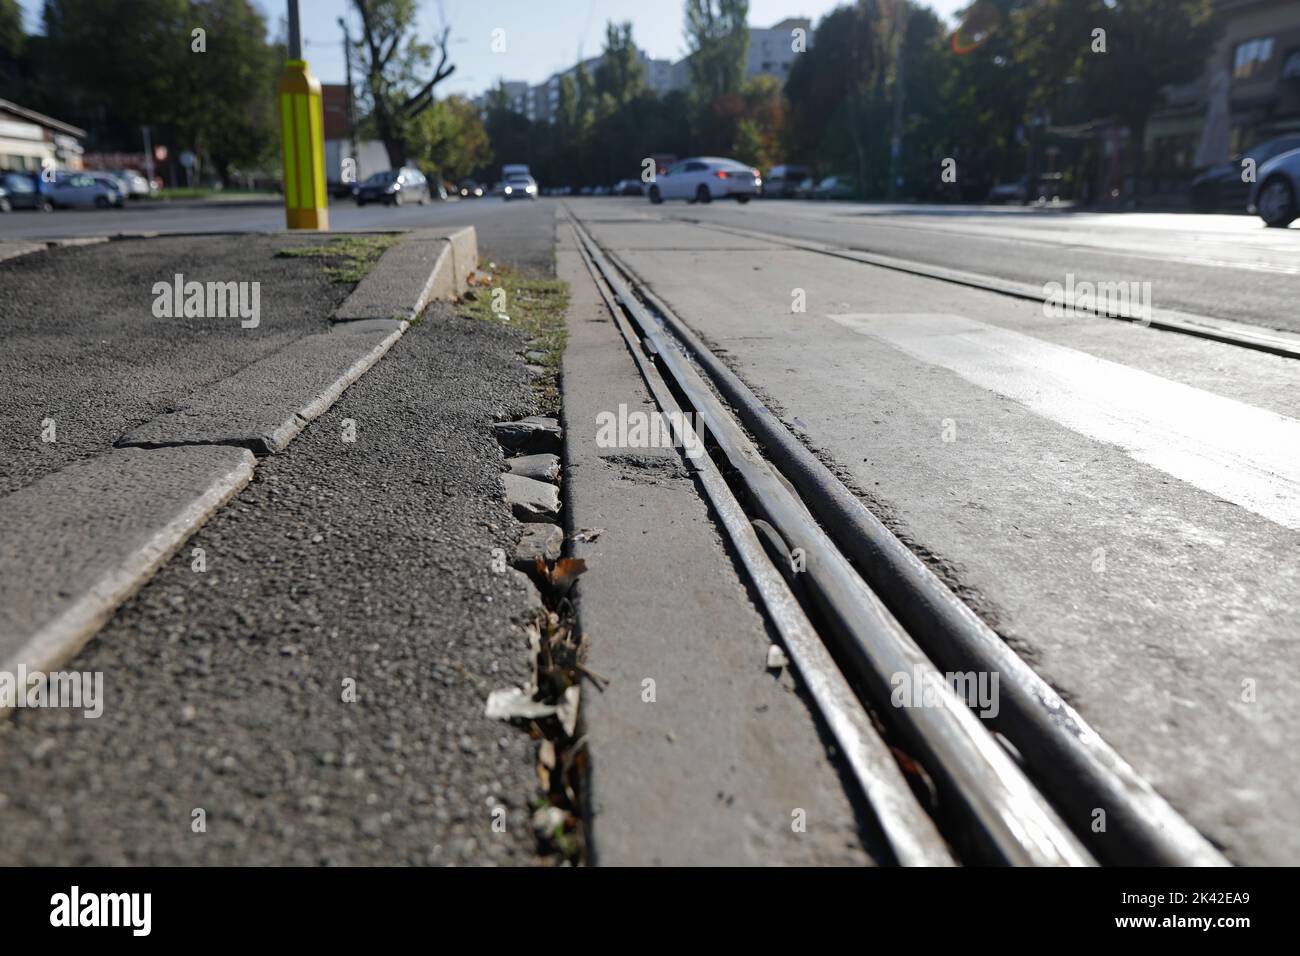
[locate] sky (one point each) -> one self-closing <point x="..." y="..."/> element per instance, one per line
<point x="542" y="36"/>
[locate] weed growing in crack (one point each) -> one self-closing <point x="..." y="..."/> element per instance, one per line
<point x="502" y="294"/>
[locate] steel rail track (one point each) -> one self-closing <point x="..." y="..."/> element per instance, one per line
<point x="1068" y="758"/>
<point x="910" y="833"/>
<point x="1012" y="821"/>
<point x="1205" y="327"/>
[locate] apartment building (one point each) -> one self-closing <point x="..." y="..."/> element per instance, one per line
<point x="772" y="51"/>
<point x="1248" y="92"/>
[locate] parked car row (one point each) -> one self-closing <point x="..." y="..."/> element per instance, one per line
<point x="25" y="189"/>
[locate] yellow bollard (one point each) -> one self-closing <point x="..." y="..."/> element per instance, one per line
<point x="302" y="142"/>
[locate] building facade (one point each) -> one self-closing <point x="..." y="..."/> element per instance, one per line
<point x="772" y="51"/>
<point x="30" y="140"/>
<point x="1248" y="92"/>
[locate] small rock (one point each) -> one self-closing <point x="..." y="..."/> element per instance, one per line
<point x="312" y="803"/>
<point x="529" y="435"/>
<point x="533" y="355"/>
<point x="546" y="820"/>
<point x="539" y="540"/>
<point x="776" y="658"/>
<point x="537" y="467"/>
<point x="536" y="371"/>
<point x="531" y="500"/>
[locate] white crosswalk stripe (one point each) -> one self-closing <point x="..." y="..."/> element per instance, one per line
<point x="1243" y="454"/>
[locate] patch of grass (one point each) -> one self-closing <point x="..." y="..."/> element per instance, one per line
<point x="203" y="192"/>
<point x="534" y="306"/>
<point x="350" y="258"/>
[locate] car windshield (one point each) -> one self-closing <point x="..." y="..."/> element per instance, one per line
<point x="380" y="179"/>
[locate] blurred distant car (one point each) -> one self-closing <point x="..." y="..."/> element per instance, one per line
<point x="1275" y="195"/>
<point x="836" y="187"/>
<point x="83" y="189"/>
<point x="117" y="185"/>
<point x="1221" y="187"/>
<point x="629" y="187"/>
<point x="783" y="181"/>
<point x="519" y="187"/>
<point x="585" y="191"/>
<point x="394" y="187"/>
<point x="23" y="191"/>
<point x="136" y="185"/>
<point x="469" y="189"/>
<point x="1014" y="191"/>
<point x="706" y="178"/>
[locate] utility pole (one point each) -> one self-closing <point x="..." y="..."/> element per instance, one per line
<point x="351" y="113"/>
<point x="148" y="156"/>
<point x="302" y="137"/>
<point x="900" y="91"/>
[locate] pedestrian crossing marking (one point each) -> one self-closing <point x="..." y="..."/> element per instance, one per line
<point x="1243" y="454"/>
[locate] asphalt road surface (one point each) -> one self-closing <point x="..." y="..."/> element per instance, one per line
<point x="1122" y="504"/>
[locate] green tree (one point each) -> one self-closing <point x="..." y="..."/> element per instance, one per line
<point x="450" y="137"/>
<point x="231" y="121"/>
<point x="216" y="98"/>
<point x="619" y="75"/>
<point x="1149" y="45"/>
<point x="12" y="42"/>
<point x="752" y="122"/>
<point x="394" y="64"/>
<point x="839" y="93"/>
<point x="11" y="31"/>
<point x="717" y="34"/>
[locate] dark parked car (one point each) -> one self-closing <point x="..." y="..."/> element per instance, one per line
<point x="394" y="187"/>
<point x="469" y="189"/>
<point x="23" y="191"/>
<point x="1015" y="191"/>
<point x="1221" y="187"/>
<point x="836" y="187"/>
<point x="783" y="182"/>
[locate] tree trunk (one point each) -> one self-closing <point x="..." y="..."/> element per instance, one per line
<point x="1139" y="130"/>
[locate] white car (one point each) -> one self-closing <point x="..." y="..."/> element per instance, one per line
<point x="706" y="178"/>
<point x="1275" y="196"/>
<point x="519" y="187"/>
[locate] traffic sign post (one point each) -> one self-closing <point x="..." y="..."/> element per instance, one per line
<point x="302" y="139"/>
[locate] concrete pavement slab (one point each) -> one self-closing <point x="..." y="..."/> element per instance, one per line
<point x="699" y="755"/>
<point x="1144" y="599"/>
<point x="426" y="264"/>
<point x="85" y="359"/>
<point x="81" y="541"/>
<point x="264" y="406"/>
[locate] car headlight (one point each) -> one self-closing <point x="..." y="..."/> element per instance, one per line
<point x="509" y="190"/>
<point x="531" y="189"/>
